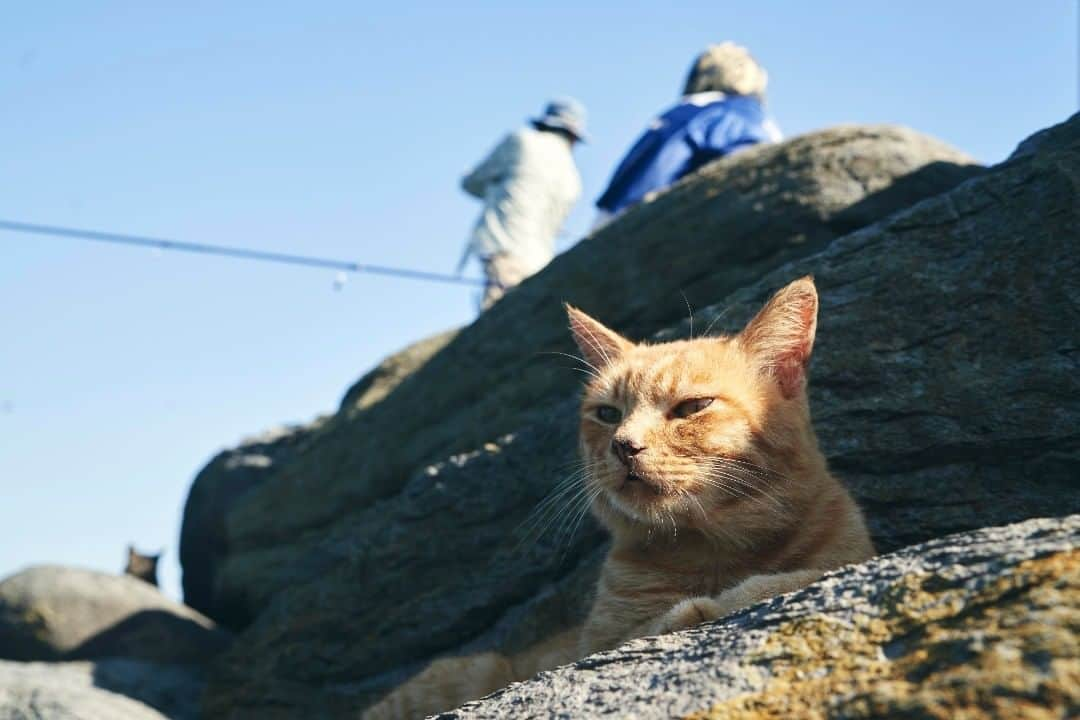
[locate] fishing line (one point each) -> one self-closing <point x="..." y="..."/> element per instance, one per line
<point x="236" y="252"/>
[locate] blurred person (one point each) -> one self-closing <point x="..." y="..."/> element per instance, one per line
<point x="722" y="111"/>
<point x="528" y="184"/>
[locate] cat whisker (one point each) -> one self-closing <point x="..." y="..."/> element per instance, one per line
<point x="729" y="489"/>
<point x="753" y="468"/>
<point x="552" y="506"/>
<point x="756" y="480"/>
<point x="597" y="345"/>
<point x="719" y="316"/>
<point x="564" y="485"/>
<point x="752" y="488"/>
<point x="701" y="508"/>
<point x="690" y="312"/>
<point x="568" y="528"/>
<point x="744" y="465"/>
<point x="539" y="518"/>
<point x="566" y="541"/>
<point x="749" y="474"/>
<point x="737" y="486"/>
<point x="581" y="501"/>
<point x="715" y="529"/>
<point x="592" y="369"/>
<point x="585" y="372"/>
<point x="557" y="518"/>
<point x="565" y="498"/>
<point x="555" y="498"/>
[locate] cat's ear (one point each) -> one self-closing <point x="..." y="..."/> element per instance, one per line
<point x="781" y="335"/>
<point x="599" y="345"/>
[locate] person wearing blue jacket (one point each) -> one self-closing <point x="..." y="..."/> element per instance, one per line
<point x="722" y="111"/>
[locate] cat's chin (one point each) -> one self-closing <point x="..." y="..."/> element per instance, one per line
<point x="625" y="509"/>
<point x="637" y="484"/>
<point x="637" y="499"/>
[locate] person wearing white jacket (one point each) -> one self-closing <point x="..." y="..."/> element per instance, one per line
<point x="528" y="184"/>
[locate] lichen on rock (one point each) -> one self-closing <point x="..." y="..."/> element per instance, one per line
<point x="985" y="624"/>
<point x="1009" y="649"/>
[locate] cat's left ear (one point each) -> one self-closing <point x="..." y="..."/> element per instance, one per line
<point x="599" y="345"/>
<point x="781" y="335"/>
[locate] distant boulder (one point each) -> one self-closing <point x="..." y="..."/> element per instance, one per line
<point x="113" y="689"/>
<point x="53" y="613"/>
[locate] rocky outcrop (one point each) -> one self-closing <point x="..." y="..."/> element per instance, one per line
<point x="217" y="489"/>
<point x="233" y="473"/>
<point x="389" y="373"/>
<point x="116" y="689"/>
<point x="979" y="625"/>
<point x="733" y="220"/>
<point x="944" y="387"/>
<point x="52" y="613"/>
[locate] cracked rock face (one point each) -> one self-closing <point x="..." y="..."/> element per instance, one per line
<point x="984" y="624"/>
<point x="944" y="389"/>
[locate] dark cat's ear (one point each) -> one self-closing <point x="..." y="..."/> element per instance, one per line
<point x="781" y="335"/>
<point x="599" y="345"/>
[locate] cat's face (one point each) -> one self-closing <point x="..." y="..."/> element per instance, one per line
<point x="682" y="434"/>
<point x="141" y="566"/>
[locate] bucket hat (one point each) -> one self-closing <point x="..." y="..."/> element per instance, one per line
<point x="565" y="114"/>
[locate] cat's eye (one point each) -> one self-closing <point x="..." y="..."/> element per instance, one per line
<point x="688" y="407"/>
<point x="608" y="414"/>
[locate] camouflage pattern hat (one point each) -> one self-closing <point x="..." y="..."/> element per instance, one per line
<point x="726" y="68"/>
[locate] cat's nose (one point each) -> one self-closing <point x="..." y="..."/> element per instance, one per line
<point x="624" y="449"/>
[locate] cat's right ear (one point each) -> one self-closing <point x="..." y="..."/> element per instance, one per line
<point x="599" y="345"/>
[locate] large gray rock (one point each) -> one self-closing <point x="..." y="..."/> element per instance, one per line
<point x="217" y="489"/>
<point x="980" y="625"/>
<point x="114" y="689"/>
<point x="222" y="484"/>
<point x="708" y="235"/>
<point x="51" y="612"/>
<point x="944" y="389"/>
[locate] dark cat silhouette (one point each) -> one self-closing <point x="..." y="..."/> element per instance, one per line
<point x="142" y="566"/>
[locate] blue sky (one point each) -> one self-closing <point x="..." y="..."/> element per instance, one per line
<point x="341" y="129"/>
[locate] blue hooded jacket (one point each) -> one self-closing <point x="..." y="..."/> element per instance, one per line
<point x="701" y="128"/>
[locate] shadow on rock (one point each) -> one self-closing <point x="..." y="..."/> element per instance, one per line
<point x="173" y="690"/>
<point x="155" y="636"/>
<point x="903" y="192"/>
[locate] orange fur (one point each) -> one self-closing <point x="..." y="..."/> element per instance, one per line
<point x="704" y="467"/>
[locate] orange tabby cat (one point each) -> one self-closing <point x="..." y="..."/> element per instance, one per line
<point x="704" y="467"/>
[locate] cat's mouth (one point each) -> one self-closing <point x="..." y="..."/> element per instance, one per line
<point x="637" y="496"/>
<point x="636" y="483"/>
